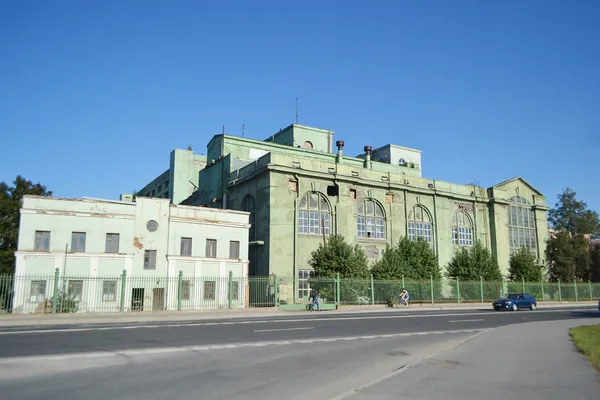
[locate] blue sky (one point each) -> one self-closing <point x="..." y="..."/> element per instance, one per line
<point x="95" y="94"/>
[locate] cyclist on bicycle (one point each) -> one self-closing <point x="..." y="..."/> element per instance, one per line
<point x="404" y="297"/>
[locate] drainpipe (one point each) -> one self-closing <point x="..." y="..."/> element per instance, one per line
<point x="329" y="141"/>
<point x="340" y="146"/>
<point x="295" y="245"/>
<point x="437" y="239"/>
<point x="368" y="150"/>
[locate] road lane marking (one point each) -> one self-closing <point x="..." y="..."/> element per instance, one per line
<point x="467" y="320"/>
<point x="285" y="329"/>
<point x="72" y="357"/>
<point x="272" y="321"/>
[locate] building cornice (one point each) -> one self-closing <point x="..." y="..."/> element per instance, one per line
<point x="190" y="258"/>
<point x="49" y="254"/>
<point x="210" y="223"/>
<point x="77" y="214"/>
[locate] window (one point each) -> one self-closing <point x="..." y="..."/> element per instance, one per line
<point x="185" y="290"/>
<point x="211" y="248"/>
<point x="249" y="205"/>
<point x="234" y="250"/>
<point x="462" y="232"/>
<point x="371" y="221"/>
<point x="78" y="242"/>
<point x="150" y="259"/>
<point x="109" y="291"/>
<point x="75" y="289"/>
<point x="209" y="290"/>
<point x="303" y="282"/>
<point x="235" y="290"/>
<point x="37" y="293"/>
<point x="112" y="243"/>
<point x="521" y="225"/>
<point x="419" y="224"/>
<point x="314" y="214"/>
<point x="42" y="241"/>
<point x="186" y="247"/>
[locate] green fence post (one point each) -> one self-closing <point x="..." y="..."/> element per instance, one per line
<point x="542" y="283"/>
<point x="179" y="290"/>
<point x="590" y="286"/>
<point x="431" y="285"/>
<point x="337" y="291"/>
<point x="372" y="291"/>
<point x="276" y="290"/>
<point x="123" y="284"/>
<point x="55" y="294"/>
<point x="523" y="285"/>
<point x="559" y="291"/>
<point x="575" y="287"/>
<point x="230" y="291"/>
<point x="481" y="287"/>
<point x="403" y="285"/>
<point x="457" y="291"/>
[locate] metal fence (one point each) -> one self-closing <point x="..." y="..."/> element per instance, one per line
<point x="26" y="294"/>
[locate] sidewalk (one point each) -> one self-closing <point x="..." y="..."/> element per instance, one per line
<point x="11" y="320"/>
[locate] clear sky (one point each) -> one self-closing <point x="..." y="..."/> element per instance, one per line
<point x="95" y="94"/>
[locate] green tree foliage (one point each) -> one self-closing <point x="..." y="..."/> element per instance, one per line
<point x="568" y="252"/>
<point x="473" y="263"/>
<point x="413" y="259"/>
<point x="522" y="266"/>
<point x="10" y="204"/>
<point x="339" y="257"/>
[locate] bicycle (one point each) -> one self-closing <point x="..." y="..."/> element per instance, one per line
<point x="402" y="304"/>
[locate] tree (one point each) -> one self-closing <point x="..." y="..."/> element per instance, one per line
<point x="412" y="259"/>
<point x="568" y="251"/>
<point x="571" y="215"/>
<point x="522" y="266"/>
<point x="10" y="204"/>
<point x="337" y="256"/>
<point x="595" y="264"/>
<point x="473" y="264"/>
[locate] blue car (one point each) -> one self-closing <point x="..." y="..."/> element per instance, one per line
<point x="515" y="301"/>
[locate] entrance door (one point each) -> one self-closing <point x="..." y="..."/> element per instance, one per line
<point x="137" y="299"/>
<point x="158" y="299"/>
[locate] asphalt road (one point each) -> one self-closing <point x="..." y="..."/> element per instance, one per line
<point x="37" y="341"/>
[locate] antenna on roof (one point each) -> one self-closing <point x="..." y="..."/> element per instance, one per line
<point x="223" y="129"/>
<point x="296" y="110"/>
<point x="243" y="129"/>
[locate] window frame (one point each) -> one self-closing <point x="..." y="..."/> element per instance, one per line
<point x="313" y="220"/>
<point x="234" y="244"/>
<point x="211" y="248"/>
<point x="76" y="245"/>
<point x="185" y="247"/>
<point x="106" y="296"/>
<point x="462" y="229"/>
<point x="370" y="225"/>
<point x="420" y="227"/>
<point x="150" y="260"/>
<point x="304" y="276"/>
<point x="208" y="288"/>
<point x="44" y="245"/>
<point x="40" y="295"/>
<point x="109" y="245"/>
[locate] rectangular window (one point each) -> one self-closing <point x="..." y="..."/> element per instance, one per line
<point x="325" y="224"/>
<point x="361" y="227"/>
<point x="75" y="289"/>
<point x="303" y="282"/>
<point x="209" y="290"/>
<point x="150" y="259"/>
<point x="302" y="221"/>
<point x="379" y="228"/>
<point x="78" y="242"/>
<point x="234" y="250"/>
<point x="37" y="292"/>
<point x="211" y="248"/>
<point x="42" y="241"/>
<point x="186" y="247"/>
<point x="370" y="228"/>
<point x="185" y="290"/>
<point x="109" y="291"/>
<point x="315" y="223"/>
<point x="235" y="290"/>
<point x="411" y="231"/>
<point x="112" y="243"/>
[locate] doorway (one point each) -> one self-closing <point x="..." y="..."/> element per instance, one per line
<point x="137" y="299"/>
<point x="158" y="299"/>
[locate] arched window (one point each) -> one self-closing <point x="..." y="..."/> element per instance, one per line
<point x="419" y="224"/>
<point x="249" y="205"/>
<point x="462" y="231"/>
<point x="314" y="214"/>
<point x="521" y="225"/>
<point x="371" y="220"/>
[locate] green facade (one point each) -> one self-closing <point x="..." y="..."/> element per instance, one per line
<point x="372" y="200"/>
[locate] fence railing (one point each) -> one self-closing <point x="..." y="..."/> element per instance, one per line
<point x="54" y="293"/>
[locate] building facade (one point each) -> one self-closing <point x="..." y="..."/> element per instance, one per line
<point x="92" y="243"/>
<point x="298" y="191"/>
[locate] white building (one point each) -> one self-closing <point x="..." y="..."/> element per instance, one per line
<point x="121" y="256"/>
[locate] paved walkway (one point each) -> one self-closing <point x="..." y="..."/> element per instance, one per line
<point x="8" y="320"/>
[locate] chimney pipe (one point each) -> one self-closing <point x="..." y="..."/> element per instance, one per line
<point x="340" y="146"/>
<point x="368" y="150"/>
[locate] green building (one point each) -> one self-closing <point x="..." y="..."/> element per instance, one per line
<point x="298" y="191"/>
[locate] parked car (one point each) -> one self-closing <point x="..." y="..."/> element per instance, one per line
<point x="515" y="301"/>
<point x="598" y="305"/>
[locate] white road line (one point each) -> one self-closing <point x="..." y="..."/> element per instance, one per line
<point x="285" y="329"/>
<point x="467" y="320"/>
<point x="166" y="350"/>
<point x="326" y="319"/>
